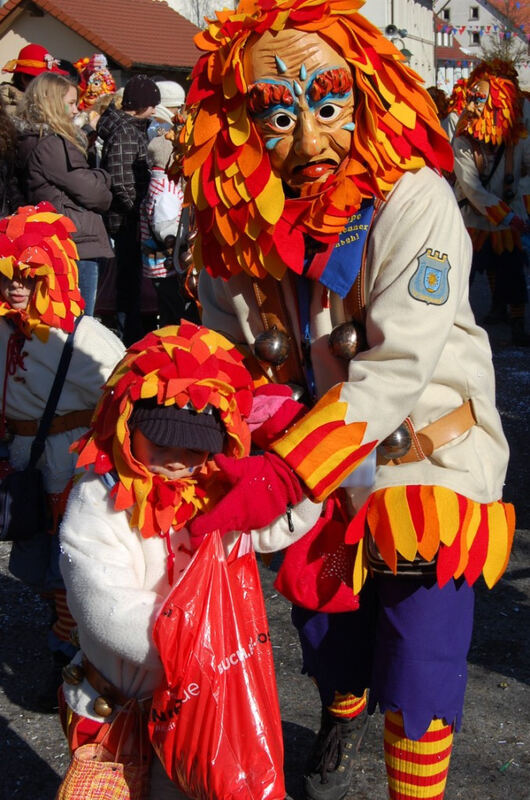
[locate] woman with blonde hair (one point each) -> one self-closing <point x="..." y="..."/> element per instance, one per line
<point x="52" y="165"/>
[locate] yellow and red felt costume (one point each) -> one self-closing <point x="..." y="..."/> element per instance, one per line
<point x="36" y="243"/>
<point x="187" y="366"/>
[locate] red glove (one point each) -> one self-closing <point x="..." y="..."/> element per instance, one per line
<point x="273" y="411"/>
<point x="263" y="487"/>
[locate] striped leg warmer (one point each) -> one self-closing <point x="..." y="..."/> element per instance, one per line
<point x="417" y="769"/>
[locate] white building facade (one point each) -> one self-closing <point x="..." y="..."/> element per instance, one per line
<point x="474" y="24"/>
<point x="414" y="17"/>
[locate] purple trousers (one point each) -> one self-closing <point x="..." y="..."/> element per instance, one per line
<point x="407" y="644"/>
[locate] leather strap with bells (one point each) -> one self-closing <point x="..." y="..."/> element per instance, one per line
<point x="274" y="314"/>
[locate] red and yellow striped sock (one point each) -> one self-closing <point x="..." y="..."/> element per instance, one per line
<point x="347" y="706"/>
<point x="62" y="627"/>
<point x="417" y="769"/>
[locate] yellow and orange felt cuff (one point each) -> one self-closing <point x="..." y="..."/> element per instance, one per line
<point x="322" y="448"/>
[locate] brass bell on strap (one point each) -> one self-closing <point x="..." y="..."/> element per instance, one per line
<point x="397" y="444"/>
<point x="346" y="340"/>
<point x="272" y="346"/>
<point x="73" y="674"/>
<point x="103" y="707"/>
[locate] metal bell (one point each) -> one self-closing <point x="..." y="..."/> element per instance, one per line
<point x="346" y="340"/>
<point x="103" y="707"/>
<point x="192" y="283"/>
<point x="296" y="390"/>
<point x="397" y="444"/>
<point x="272" y="346"/>
<point x="73" y="674"/>
<point x="186" y="259"/>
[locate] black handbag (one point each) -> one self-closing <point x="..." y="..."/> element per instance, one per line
<point x="23" y="506"/>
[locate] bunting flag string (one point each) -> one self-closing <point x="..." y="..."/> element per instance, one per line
<point x="484" y="29"/>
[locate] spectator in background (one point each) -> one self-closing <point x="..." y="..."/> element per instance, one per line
<point x="10" y="196"/>
<point x="172" y="99"/>
<point x="52" y="165"/>
<point x="160" y="218"/>
<point x="124" y="155"/>
<point x="32" y="60"/>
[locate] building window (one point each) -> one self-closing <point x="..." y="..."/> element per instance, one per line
<point x="446" y="14"/>
<point x="473" y="12"/>
<point x="474" y="38"/>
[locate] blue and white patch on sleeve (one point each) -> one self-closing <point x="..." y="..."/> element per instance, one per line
<point x="430" y="282"/>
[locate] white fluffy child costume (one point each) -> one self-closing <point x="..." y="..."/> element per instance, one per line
<point x="122" y="548"/>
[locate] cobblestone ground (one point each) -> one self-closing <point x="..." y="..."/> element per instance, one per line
<point x="491" y="759"/>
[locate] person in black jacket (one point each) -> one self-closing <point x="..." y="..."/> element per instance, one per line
<point x="124" y="155"/>
<point x="52" y="165"/>
<point x="10" y="197"/>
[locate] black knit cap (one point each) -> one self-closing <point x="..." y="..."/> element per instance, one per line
<point x="140" y="92"/>
<point x="177" y="427"/>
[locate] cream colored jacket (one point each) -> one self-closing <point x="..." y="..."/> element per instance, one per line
<point x="96" y="352"/>
<point x="426" y="355"/>
<point x="481" y="199"/>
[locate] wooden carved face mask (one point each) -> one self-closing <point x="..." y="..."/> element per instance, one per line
<point x="301" y="100"/>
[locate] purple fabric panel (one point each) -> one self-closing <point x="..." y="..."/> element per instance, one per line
<point x="337" y="648"/>
<point x="422" y="642"/>
<point x="418" y="663"/>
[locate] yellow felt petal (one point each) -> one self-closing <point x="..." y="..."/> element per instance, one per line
<point x="270" y="201"/>
<point x="404" y="114"/>
<point x="448" y="514"/>
<point x="497" y="544"/>
<point x="239" y="126"/>
<point x="360" y="569"/>
<point x="403" y="532"/>
<point x="473" y="524"/>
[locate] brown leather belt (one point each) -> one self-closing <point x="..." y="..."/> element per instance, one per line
<point x="435" y="435"/>
<point x="60" y="423"/>
<point x="102" y="686"/>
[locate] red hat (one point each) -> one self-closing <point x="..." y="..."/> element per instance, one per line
<point x="32" y="60"/>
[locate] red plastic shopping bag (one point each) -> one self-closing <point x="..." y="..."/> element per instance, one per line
<point x="216" y="724"/>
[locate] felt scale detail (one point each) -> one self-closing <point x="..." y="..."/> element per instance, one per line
<point x="322" y="448"/>
<point x="36" y="243"/>
<point x="175" y="365"/>
<point x="467" y="538"/>
<point x="245" y="222"/>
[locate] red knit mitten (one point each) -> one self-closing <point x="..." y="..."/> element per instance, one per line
<point x="263" y="487"/>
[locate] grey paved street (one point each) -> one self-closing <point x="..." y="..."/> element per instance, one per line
<point x="492" y="753"/>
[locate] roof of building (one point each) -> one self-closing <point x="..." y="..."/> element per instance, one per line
<point x="141" y="33"/>
<point x="518" y="13"/>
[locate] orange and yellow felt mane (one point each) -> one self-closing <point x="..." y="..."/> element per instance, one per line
<point x="501" y="120"/>
<point x="244" y="220"/>
<point x="36" y="243"/>
<point x="184" y="365"/>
